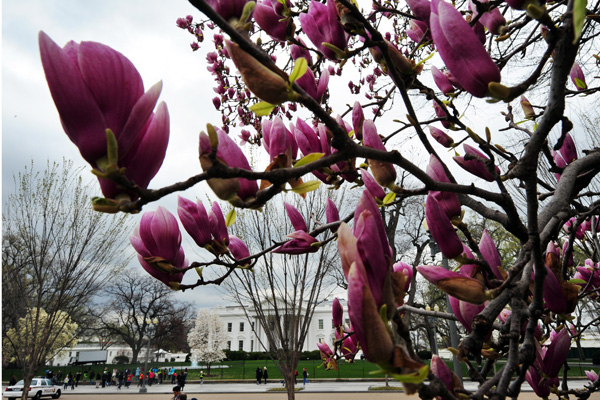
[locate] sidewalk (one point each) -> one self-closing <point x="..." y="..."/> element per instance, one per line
<point x="314" y="387"/>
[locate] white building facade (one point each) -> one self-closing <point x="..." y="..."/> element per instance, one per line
<point x="245" y="335"/>
<point x="115" y="350"/>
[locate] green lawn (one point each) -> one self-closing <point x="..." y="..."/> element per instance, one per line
<point x="246" y="370"/>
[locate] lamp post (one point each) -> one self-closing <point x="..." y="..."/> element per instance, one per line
<point x="432" y="321"/>
<point x="433" y="246"/>
<point x="151" y="326"/>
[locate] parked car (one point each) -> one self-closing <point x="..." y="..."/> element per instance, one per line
<point x="40" y="387"/>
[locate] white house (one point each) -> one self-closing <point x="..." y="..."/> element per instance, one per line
<point x="242" y="336"/>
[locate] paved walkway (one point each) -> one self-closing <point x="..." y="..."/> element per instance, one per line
<point x="354" y="390"/>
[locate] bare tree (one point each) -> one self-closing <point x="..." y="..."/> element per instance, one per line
<point x="136" y="301"/>
<point x="56" y="254"/>
<point x="282" y="291"/>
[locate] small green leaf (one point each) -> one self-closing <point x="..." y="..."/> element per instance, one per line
<point x="576" y="281"/>
<point x="262" y="108"/>
<point x="112" y="149"/>
<point x="308" y="159"/>
<point x="230" y="218"/>
<point x="579" y="83"/>
<point x="306" y="187"/>
<point x="415" y="377"/>
<point x="299" y="69"/>
<point x="579" y="11"/>
<point x="339" y="53"/>
<point x="389" y="198"/>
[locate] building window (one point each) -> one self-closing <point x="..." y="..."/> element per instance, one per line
<point x="229" y="345"/>
<point x="229" y="327"/>
<point x="241" y="327"/>
<point x="241" y="345"/>
<point x="252" y="345"/>
<point x="320" y="324"/>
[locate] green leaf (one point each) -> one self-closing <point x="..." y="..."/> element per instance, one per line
<point x="299" y="69"/>
<point x="307" y="187"/>
<point x="308" y="159"/>
<point x="579" y="83"/>
<point x="262" y="108"/>
<point x="339" y="53"/>
<point x="576" y="281"/>
<point x="390" y="197"/>
<point x="415" y="377"/>
<point x="230" y="219"/>
<point x="579" y="11"/>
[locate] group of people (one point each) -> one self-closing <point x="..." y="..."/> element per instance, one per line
<point x="262" y="375"/>
<point x="120" y="378"/>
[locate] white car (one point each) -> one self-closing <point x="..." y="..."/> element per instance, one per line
<point x="40" y="387"/>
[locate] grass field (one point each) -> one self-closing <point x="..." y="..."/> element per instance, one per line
<point x="246" y="370"/>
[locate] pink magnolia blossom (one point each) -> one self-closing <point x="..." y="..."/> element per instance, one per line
<point x="238" y="248"/>
<point x="296" y="218"/>
<point x="461" y="50"/>
<point x="473" y="162"/>
<point x="448" y="201"/>
<point x="228" y="9"/>
<point x="230" y="154"/>
<point x="269" y="15"/>
<point x="371" y="185"/>
<point x="441" y="229"/>
<point x="321" y="25"/>
<point x="157" y="240"/>
<point x="96" y="88"/>
<point x="194" y="218"/>
<point x="577" y="77"/>
<point x="301" y="243"/>
<point x="442" y="81"/>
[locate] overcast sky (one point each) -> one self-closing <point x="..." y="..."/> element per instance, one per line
<point x="145" y="32"/>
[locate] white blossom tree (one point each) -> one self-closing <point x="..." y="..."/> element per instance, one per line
<point x="207" y="338"/>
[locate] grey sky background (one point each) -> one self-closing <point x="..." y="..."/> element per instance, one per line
<point x="145" y="32"/>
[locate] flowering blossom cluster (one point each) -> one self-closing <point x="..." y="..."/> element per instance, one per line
<point x="123" y="134"/>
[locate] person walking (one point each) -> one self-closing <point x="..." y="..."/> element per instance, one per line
<point x="66" y="383"/>
<point x="98" y="378"/>
<point x="177" y="395"/>
<point x="265" y="375"/>
<point x="305" y="376"/>
<point x="181" y="379"/>
<point x="258" y="375"/>
<point x="129" y="379"/>
<point x="202" y="377"/>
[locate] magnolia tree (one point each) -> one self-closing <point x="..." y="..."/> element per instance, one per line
<point x="419" y="77"/>
<point x="208" y="338"/>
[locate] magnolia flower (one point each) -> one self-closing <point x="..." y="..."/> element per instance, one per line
<point x="592" y="375"/>
<point x="194" y="218"/>
<point x="407" y="271"/>
<point x="448" y="200"/>
<point x="473" y="162"/>
<point x="331" y="212"/>
<point x="441" y="229"/>
<point x="157" y="240"/>
<point x="418" y="31"/>
<point x="358" y="118"/>
<point x="371" y="185"/>
<point x="96" y="88"/>
<point x="549" y="360"/>
<point x="228" y="153"/>
<point x="278" y="140"/>
<point x="461" y="50"/>
<point x="301" y="243"/>
<point x="568" y="151"/>
<point x="296" y="218"/>
<point x="493" y="20"/>
<point x="527" y="108"/>
<point x="489" y="251"/>
<point x="228" y="9"/>
<point x="238" y="248"/>
<point x="338" y="313"/>
<point x="456" y="285"/>
<point x="577" y="77"/>
<point x="321" y="25"/>
<point x="442" y="81"/>
<point x="269" y="15"/>
<point x="383" y="172"/>
<point x="315" y="89"/>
